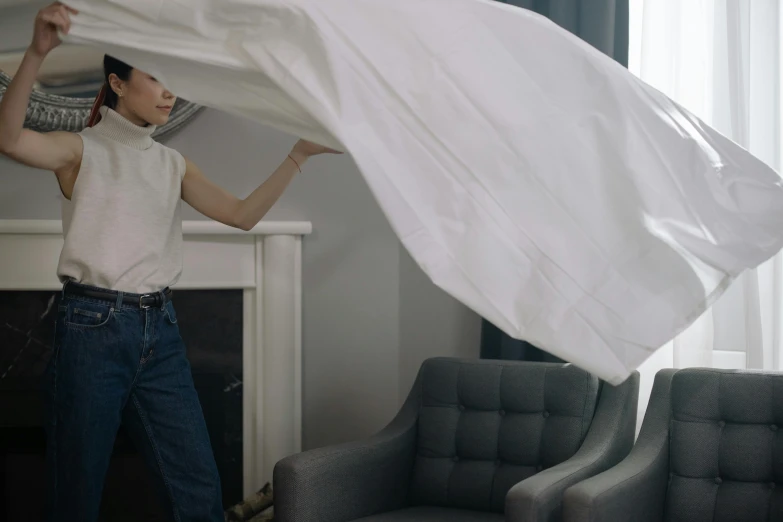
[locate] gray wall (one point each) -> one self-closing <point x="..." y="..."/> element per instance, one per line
<point x="370" y="315"/>
<point x="16" y="24"/>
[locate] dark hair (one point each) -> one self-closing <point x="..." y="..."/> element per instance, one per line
<point x="111" y="66"/>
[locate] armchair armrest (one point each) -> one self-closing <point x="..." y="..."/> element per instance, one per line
<point x="608" y="441"/>
<point x="349" y="481"/>
<point x="636" y="488"/>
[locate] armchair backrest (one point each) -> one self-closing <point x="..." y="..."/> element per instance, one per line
<point x="726" y="446"/>
<point x="485" y="425"/>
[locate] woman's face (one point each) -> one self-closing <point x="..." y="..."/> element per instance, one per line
<point x="142" y="99"/>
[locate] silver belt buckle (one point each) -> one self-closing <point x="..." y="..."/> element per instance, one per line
<point x="141" y="303"/>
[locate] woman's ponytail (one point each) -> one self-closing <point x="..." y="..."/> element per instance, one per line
<point x="95" y="115"/>
<point x="106" y="96"/>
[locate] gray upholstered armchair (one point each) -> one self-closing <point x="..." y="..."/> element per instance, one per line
<point x="709" y="450"/>
<point x="474" y="440"/>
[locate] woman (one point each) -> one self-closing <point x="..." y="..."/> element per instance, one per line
<point x="118" y="356"/>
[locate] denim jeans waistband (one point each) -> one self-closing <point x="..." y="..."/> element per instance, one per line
<point x="119" y="298"/>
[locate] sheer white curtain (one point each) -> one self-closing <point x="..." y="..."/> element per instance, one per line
<point x="721" y="59"/>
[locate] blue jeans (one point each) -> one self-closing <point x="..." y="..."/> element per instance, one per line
<point x="114" y="363"/>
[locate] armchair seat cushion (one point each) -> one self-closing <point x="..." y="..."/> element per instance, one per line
<point x="434" y="514"/>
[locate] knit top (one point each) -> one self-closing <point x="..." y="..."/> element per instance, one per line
<point x="123" y="224"/>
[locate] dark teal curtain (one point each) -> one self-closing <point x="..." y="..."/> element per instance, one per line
<point x="601" y="23"/>
<point x="604" y="25"/>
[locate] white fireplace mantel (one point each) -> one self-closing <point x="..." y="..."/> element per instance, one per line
<point x="266" y="263"/>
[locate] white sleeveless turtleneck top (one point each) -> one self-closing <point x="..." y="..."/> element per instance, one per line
<point x="123" y="224"/>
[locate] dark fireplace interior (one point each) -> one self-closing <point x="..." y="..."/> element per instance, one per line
<point x="210" y="322"/>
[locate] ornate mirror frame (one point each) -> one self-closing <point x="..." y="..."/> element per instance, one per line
<point x="49" y="112"/>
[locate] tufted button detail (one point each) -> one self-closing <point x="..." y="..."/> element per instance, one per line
<point x="721" y="424"/>
<point x="774" y="427"/>
<point x="498" y="463"/>
<point x="455" y="458"/>
<point x="502" y="412"/>
<point x="771" y="485"/>
<point x="461" y="407"/>
<point x="719" y="481"/>
<point x="546" y="414"/>
<point x="539" y="467"/>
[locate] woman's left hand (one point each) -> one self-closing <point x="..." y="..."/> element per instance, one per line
<point x="304" y="148"/>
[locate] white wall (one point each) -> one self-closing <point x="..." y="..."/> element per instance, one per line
<point x="370" y="315"/>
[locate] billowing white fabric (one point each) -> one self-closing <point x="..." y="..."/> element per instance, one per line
<point x="529" y="175"/>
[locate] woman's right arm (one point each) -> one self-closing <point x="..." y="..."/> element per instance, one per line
<point x="59" y="152"/>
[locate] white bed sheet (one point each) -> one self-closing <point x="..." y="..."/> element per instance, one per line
<point x="530" y="176"/>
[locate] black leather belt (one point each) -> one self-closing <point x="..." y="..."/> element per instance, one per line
<point x="157" y="299"/>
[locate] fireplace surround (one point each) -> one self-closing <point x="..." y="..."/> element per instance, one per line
<point x="262" y="269"/>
